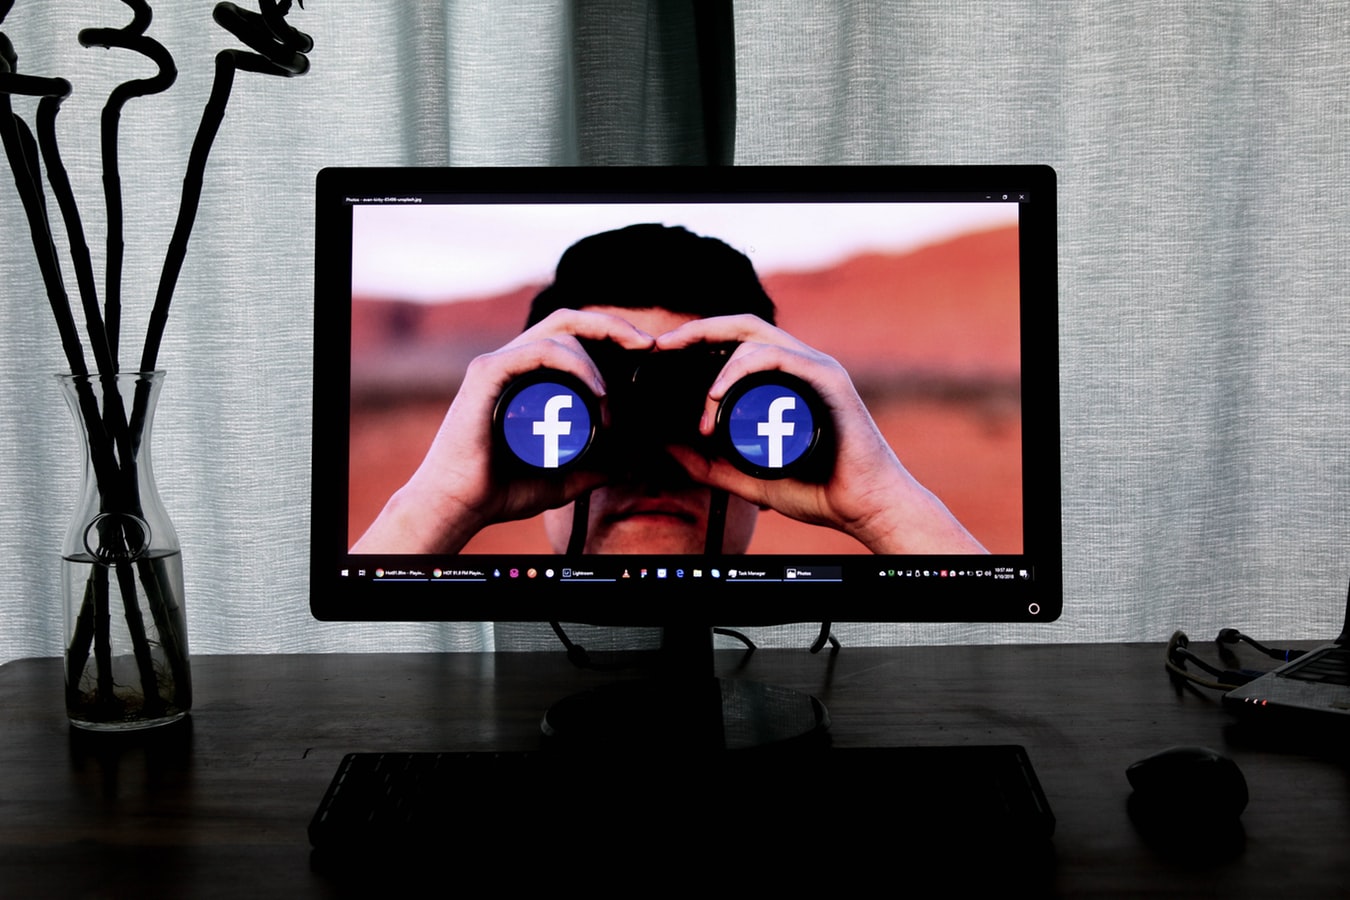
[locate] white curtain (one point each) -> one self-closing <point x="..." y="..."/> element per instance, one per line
<point x="1202" y="152"/>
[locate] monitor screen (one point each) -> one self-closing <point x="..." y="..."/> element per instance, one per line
<point x="713" y="396"/>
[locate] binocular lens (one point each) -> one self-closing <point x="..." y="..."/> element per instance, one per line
<point x="771" y="424"/>
<point x="547" y="419"/>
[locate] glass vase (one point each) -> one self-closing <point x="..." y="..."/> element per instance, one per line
<point x="121" y="572"/>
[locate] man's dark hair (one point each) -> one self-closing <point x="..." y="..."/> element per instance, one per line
<point x="654" y="266"/>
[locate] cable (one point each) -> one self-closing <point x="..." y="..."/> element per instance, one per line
<point x="743" y="638"/>
<point x="717" y="516"/>
<point x="717" y="522"/>
<point x="1233" y="636"/>
<point x="581" y="515"/>
<point x="1178" y="655"/>
<point x="576" y="654"/>
<point x="826" y="635"/>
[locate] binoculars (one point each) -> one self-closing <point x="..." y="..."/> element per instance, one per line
<point x="769" y="425"/>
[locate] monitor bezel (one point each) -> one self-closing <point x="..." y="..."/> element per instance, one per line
<point x="335" y="596"/>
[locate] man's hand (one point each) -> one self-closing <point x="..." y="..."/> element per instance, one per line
<point x="452" y="495"/>
<point x="869" y="495"/>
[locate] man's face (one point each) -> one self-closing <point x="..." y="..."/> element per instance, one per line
<point x="646" y="516"/>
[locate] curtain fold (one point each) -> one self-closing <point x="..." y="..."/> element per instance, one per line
<point x="673" y="104"/>
<point x="1201" y="152"/>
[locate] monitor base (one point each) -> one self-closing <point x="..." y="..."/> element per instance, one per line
<point x="659" y="714"/>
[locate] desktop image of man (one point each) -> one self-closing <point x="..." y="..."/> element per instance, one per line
<point x="629" y="293"/>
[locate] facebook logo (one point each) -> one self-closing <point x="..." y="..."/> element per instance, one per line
<point x="547" y="425"/>
<point x="551" y="427"/>
<point x="771" y="426"/>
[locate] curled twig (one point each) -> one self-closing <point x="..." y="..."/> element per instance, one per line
<point x="22" y="151"/>
<point x="114" y="438"/>
<point x="274" y="55"/>
<point x="268" y="35"/>
<point x="130" y="37"/>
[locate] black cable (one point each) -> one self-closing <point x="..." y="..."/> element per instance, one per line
<point x="1179" y="654"/>
<point x="576" y="654"/>
<point x="743" y="638"/>
<point x="1233" y="636"/>
<point x="825" y="636"/>
<point x="717" y="517"/>
<point x="581" y="515"/>
<point x="581" y="658"/>
<point x="717" y="522"/>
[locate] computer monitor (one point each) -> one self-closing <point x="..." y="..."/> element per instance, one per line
<point x="686" y="397"/>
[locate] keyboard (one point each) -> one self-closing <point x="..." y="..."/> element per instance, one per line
<point x="415" y="803"/>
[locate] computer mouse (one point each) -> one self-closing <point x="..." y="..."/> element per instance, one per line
<point x="1188" y="784"/>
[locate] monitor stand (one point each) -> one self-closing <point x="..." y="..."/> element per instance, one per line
<point x="685" y="706"/>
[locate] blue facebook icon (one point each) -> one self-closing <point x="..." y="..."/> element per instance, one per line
<point x="771" y="426"/>
<point x="547" y="425"/>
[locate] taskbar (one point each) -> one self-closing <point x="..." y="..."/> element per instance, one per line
<point x="636" y="589"/>
<point x="623" y="569"/>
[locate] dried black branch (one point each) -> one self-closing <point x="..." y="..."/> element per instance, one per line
<point x="268" y="35"/>
<point x="172" y="640"/>
<point x="21" y="150"/>
<point x="140" y="644"/>
<point x="114" y="441"/>
<point x="104" y="359"/>
<point x="106" y="697"/>
<point x="274" y="56"/>
<point x="130" y="37"/>
<point x="82" y="637"/>
<point x="274" y="14"/>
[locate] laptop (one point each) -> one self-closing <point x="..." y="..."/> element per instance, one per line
<point x="1316" y="683"/>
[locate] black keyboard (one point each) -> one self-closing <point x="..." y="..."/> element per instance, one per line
<point x="414" y="803"/>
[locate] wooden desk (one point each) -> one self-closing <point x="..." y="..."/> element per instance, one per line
<point x="222" y="808"/>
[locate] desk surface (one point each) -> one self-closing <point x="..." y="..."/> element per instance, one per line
<point x="223" y="808"/>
